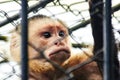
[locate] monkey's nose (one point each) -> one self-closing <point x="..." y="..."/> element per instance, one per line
<point x="59" y="41"/>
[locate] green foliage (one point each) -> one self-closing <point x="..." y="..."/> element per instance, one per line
<point x="81" y="45"/>
<point x="4" y="38"/>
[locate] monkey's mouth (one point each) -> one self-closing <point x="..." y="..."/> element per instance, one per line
<point x="60" y="51"/>
<point x="59" y="55"/>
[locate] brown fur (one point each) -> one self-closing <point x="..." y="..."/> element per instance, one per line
<point x="87" y="72"/>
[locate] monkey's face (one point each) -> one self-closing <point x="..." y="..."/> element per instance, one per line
<point x="51" y="38"/>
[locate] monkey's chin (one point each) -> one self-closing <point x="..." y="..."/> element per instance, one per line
<point x="59" y="57"/>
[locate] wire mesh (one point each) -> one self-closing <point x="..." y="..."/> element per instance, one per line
<point x="76" y="15"/>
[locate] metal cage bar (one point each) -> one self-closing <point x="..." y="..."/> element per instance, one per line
<point x="107" y="42"/>
<point x="24" y="33"/>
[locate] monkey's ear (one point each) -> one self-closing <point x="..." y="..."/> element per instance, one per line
<point x="15" y="47"/>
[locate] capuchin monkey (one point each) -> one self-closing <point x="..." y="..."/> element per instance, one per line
<point x="48" y="39"/>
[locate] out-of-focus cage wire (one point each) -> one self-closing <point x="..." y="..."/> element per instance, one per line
<point x="72" y="12"/>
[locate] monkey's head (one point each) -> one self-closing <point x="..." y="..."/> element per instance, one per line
<point x="45" y="36"/>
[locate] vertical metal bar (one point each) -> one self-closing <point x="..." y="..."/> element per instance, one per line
<point x="107" y="28"/>
<point x="24" y="32"/>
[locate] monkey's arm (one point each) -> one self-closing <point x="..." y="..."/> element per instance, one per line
<point x="86" y="72"/>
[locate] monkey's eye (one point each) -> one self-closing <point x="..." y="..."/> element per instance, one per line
<point x="47" y="34"/>
<point x="61" y="33"/>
